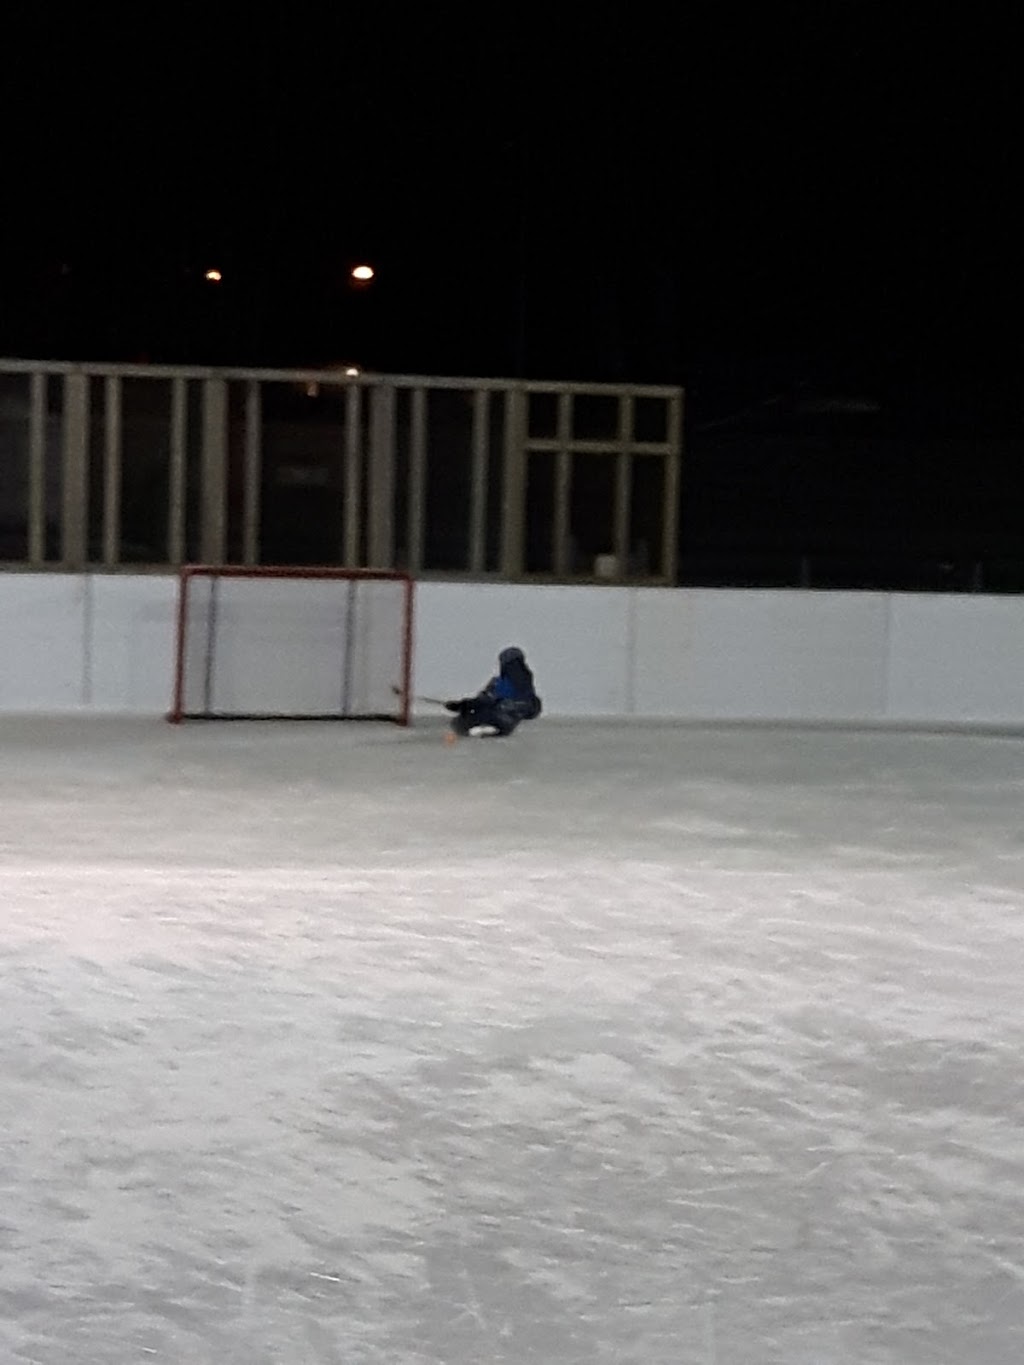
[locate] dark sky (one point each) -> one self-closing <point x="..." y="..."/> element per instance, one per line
<point x="821" y="193"/>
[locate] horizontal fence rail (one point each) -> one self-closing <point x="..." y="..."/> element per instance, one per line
<point x="110" y="467"/>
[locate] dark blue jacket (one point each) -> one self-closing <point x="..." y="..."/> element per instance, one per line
<point x="509" y="697"/>
<point x="513" y="688"/>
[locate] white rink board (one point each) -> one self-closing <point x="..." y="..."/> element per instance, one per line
<point x="957" y="659"/>
<point x="131" y="647"/>
<point x="749" y="655"/>
<point x="45" y="660"/>
<point x="106" y="644"/>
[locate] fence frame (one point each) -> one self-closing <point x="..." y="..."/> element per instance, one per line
<point x="369" y="528"/>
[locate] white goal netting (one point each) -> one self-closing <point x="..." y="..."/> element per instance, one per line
<point x="292" y="644"/>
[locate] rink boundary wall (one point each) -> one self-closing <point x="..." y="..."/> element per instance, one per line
<point x="104" y="643"/>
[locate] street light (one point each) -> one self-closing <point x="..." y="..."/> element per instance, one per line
<point x="363" y="273"/>
<point x="213" y="277"/>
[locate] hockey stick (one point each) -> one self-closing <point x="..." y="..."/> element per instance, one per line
<point x="427" y="701"/>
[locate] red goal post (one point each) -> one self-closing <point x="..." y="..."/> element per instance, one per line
<point x="292" y="643"/>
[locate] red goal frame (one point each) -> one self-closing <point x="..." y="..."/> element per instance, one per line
<point x="189" y="572"/>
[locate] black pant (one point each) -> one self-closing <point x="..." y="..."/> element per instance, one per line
<point x="483" y="711"/>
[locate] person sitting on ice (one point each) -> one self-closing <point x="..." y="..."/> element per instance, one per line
<point x="508" y="698"/>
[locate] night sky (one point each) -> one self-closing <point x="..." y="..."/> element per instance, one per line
<point x="813" y="198"/>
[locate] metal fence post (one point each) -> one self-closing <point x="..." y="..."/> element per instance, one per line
<point x="513" y="491"/>
<point x="623" y="489"/>
<point x="37" y="461"/>
<point x="479" y="455"/>
<point x="381" y="549"/>
<point x="353" y="483"/>
<point x="112" y="472"/>
<point x="673" y="477"/>
<point x="74" y="529"/>
<point x="563" y="487"/>
<point x="176" y="472"/>
<point x="417" y="479"/>
<point x="213" y="515"/>
<point x="252" y="474"/>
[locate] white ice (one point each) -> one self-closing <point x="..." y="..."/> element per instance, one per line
<point x="607" y="1044"/>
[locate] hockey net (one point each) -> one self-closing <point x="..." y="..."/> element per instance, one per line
<point x="292" y="644"/>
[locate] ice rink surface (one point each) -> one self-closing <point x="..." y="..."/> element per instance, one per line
<point x="625" y="1044"/>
